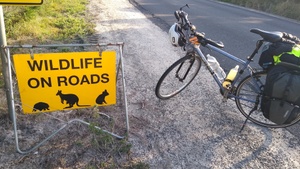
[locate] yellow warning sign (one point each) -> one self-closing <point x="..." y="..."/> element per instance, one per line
<point x="21" y="2"/>
<point x="59" y="81"/>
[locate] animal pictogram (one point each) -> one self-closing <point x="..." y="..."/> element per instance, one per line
<point x="40" y="106"/>
<point x="70" y="99"/>
<point x="101" y="98"/>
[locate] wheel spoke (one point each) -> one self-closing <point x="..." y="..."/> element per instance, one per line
<point x="247" y="91"/>
<point x="178" y="76"/>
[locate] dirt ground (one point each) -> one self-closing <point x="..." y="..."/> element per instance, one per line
<point x="193" y="130"/>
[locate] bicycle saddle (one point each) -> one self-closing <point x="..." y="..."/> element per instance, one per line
<point x="268" y="36"/>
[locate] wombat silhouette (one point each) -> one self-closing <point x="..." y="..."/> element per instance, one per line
<point x="101" y="98"/>
<point x="70" y="99"/>
<point x="40" y="106"/>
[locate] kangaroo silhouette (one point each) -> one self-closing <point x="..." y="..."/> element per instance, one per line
<point x="40" y="106"/>
<point x="101" y="98"/>
<point x="70" y="98"/>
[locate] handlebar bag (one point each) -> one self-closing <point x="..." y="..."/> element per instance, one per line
<point x="281" y="97"/>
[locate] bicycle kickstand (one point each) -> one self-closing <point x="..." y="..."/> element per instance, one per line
<point x="254" y="108"/>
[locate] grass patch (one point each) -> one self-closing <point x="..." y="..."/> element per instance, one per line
<point x="55" y="20"/>
<point x="286" y="8"/>
<point x="113" y="149"/>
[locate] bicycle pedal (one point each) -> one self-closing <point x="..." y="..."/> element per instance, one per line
<point x="225" y="95"/>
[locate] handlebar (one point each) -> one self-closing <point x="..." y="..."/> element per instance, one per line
<point x="214" y="43"/>
<point x="204" y="41"/>
<point x="182" y="18"/>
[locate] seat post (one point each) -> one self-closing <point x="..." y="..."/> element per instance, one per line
<point x="258" y="45"/>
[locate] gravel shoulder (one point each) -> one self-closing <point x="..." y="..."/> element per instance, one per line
<point x="194" y="129"/>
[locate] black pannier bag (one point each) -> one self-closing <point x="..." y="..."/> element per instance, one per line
<point x="286" y="50"/>
<point x="279" y="52"/>
<point x="281" y="97"/>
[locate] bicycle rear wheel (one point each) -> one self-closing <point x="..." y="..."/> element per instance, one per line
<point x="178" y="76"/>
<point x="248" y="93"/>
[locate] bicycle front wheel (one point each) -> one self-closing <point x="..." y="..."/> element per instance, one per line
<point x="178" y="76"/>
<point x="248" y="94"/>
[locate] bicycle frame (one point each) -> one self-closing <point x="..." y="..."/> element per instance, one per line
<point x="243" y="90"/>
<point x="244" y="63"/>
<point x="189" y="29"/>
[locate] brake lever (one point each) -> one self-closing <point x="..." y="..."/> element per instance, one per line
<point x="176" y="15"/>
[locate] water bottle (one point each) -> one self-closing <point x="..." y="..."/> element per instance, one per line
<point x="214" y="64"/>
<point x="230" y="77"/>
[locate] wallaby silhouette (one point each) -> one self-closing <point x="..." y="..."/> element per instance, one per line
<point x="70" y="98"/>
<point x="40" y="106"/>
<point x="101" y="98"/>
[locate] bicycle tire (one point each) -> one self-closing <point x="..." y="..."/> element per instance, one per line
<point x="168" y="86"/>
<point x="250" y="88"/>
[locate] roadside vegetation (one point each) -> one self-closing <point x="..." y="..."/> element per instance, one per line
<point x="55" y="20"/>
<point x="287" y="8"/>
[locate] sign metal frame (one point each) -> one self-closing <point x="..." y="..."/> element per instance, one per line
<point x="120" y="70"/>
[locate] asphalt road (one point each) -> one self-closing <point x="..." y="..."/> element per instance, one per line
<point x="222" y="22"/>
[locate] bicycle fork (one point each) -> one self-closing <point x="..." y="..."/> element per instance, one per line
<point x="191" y="62"/>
